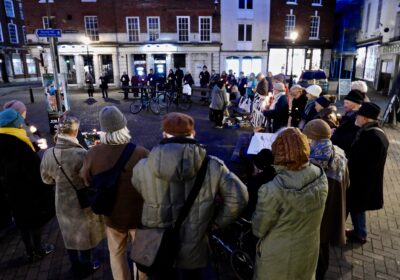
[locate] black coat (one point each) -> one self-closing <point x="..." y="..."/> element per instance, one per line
<point x="279" y="115"/>
<point x="204" y="78"/>
<point x="30" y="200"/>
<point x="125" y="80"/>
<point x="367" y="159"/>
<point x="346" y="133"/>
<point x="298" y="106"/>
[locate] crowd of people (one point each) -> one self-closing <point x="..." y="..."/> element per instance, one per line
<point x="298" y="194"/>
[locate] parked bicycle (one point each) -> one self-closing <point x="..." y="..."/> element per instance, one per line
<point x="146" y="101"/>
<point x="169" y="97"/>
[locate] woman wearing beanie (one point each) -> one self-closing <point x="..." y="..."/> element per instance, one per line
<point x="219" y="101"/>
<point x="321" y="103"/>
<point x="289" y="212"/>
<point x="81" y="229"/>
<point x="312" y="92"/>
<point x="333" y="160"/>
<point x="31" y="202"/>
<point x="127" y="211"/>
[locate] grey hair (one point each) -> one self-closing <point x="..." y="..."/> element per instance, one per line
<point x="67" y="124"/>
<point x="118" y="137"/>
<point x="260" y="75"/>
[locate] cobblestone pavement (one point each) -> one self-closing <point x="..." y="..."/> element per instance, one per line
<point x="379" y="258"/>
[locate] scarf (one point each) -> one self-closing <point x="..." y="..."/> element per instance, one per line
<point x="321" y="152"/>
<point x="19" y="133"/>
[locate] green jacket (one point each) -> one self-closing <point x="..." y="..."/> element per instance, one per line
<point x="165" y="179"/>
<point x="287" y="219"/>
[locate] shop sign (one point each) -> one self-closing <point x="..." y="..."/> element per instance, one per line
<point x="389" y="49"/>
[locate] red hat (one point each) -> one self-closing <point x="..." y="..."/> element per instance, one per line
<point x="178" y="124"/>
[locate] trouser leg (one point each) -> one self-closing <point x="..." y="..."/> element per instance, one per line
<point x="323" y="261"/>
<point x="117" y="242"/>
<point x="359" y="223"/>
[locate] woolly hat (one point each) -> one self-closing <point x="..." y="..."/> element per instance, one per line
<point x="111" y="119"/>
<point x="355" y="96"/>
<point x="314" y="90"/>
<point x="279" y="87"/>
<point x="317" y="129"/>
<point x="16" y="105"/>
<point x="291" y="149"/>
<point x="296" y="87"/>
<point x="11" y="118"/>
<point x="323" y="102"/>
<point x="279" y="77"/>
<point x="178" y="124"/>
<point x="264" y="159"/>
<point x="369" y="110"/>
<point x="359" y="85"/>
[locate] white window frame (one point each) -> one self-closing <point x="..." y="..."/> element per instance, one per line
<point x="21" y="11"/>
<point x="291" y="2"/>
<point x="245" y="5"/>
<point x="188" y="28"/>
<point x="93" y="36"/>
<point x="9" y="13"/>
<point x="1" y="33"/>
<point x="319" y="4"/>
<point x="318" y="26"/>
<point x="46" y="22"/>
<point x="128" y="30"/>
<point x="287" y="31"/>
<point x="153" y="30"/>
<point x="16" y="33"/>
<point x="245" y="32"/>
<point x="200" y="29"/>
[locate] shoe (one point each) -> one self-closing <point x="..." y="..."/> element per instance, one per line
<point x="46" y="249"/>
<point x="355" y="238"/>
<point x="87" y="269"/>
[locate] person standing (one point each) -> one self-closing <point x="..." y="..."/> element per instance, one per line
<point x="125" y="84"/>
<point x="219" y="101"/>
<point x="289" y="212"/>
<point x="188" y="79"/>
<point x="179" y="77"/>
<point x="204" y="81"/>
<point x="278" y="113"/>
<point x="30" y="200"/>
<point x="309" y="113"/>
<point x="171" y="80"/>
<point x="166" y="178"/>
<point x="104" y="85"/>
<point x="299" y="101"/>
<point x="81" y="229"/>
<point x="125" y="216"/>
<point x="213" y="79"/>
<point x="231" y="80"/>
<point x="251" y="86"/>
<point x="89" y="83"/>
<point x="367" y="158"/>
<point x="151" y="79"/>
<point x="242" y="83"/>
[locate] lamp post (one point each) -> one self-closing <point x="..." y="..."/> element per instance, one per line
<point x="293" y="37"/>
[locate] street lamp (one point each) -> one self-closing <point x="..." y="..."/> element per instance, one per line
<point x="293" y="37"/>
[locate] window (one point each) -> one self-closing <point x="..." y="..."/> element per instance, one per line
<point x="9" y="7"/>
<point x="232" y="63"/>
<point x="13" y="32"/>
<point x="183" y="28"/>
<point x="31" y="65"/>
<point x="17" y="64"/>
<point x="70" y="69"/>
<point x="370" y="62"/>
<point x="24" y="34"/>
<point x="205" y="29"/>
<point x="290" y="23"/>
<point x="107" y="67"/>
<point x="21" y="11"/>
<point x="378" y="15"/>
<point x="132" y="28"/>
<point x="316" y="3"/>
<point x="292" y="2"/>
<point x="153" y="28"/>
<point x="47" y="24"/>
<point x="92" y="28"/>
<point x="1" y="33"/>
<point x="314" y="27"/>
<point x="244" y="32"/>
<point x="246" y="4"/>
<point x="367" y="17"/>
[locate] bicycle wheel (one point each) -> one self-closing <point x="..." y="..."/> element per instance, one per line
<point x="242" y="265"/>
<point x="163" y="103"/>
<point x="184" y="102"/>
<point x="136" y="106"/>
<point x="154" y="106"/>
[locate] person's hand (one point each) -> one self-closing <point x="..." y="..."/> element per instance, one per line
<point x="42" y="143"/>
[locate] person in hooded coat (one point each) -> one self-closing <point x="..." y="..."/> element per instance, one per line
<point x="219" y="101"/>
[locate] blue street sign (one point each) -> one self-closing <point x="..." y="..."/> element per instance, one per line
<point x="48" y="32"/>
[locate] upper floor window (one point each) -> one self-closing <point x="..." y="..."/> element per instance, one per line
<point x="9" y="7"/>
<point x="92" y="28"/>
<point x="290" y="23"/>
<point x="246" y="4"/>
<point x="153" y="28"/>
<point x="316" y="3"/>
<point x="244" y="32"/>
<point x="1" y="33"/>
<point x="205" y="29"/>
<point x="291" y="2"/>
<point x="13" y="33"/>
<point x="132" y="28"/>
<point x="314" y="27"/>
<point x="183" y="27"/>
<point x="48" y="24"/>
<point x="21" y="11"/>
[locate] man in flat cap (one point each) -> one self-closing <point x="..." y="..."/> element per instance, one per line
<point x="165" y="180"/>
<point x="367" y="159"/>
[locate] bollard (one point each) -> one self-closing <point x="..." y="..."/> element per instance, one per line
<point x="31" y="95"/>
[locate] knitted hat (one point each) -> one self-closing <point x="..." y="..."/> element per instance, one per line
<point x="317" y="129"/>
<point x="264" y="159"/>
<point x="296" y="87"/>
<point x="11" y="118"/>
<point x="359" y="85"/>
<point x="323" y="102"/>
<point x="178" y="124"/>
<point x="314" y="90"/>
<point x="355" y="96"/>
<point x="279" y="77"/>
<point x="111" y="119"/>
<point x="16" y="105"/>
<point x="291" y="149"/>
<point x="369" y="110"/>
<point x="279" y="86"/>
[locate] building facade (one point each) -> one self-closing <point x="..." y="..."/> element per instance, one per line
<point x="313" y="20"/>
<point x="133" y="36"/>
<point x="244" y="35"/>
<point x="16" y="64"/>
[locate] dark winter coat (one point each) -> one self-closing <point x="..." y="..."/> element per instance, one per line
<point x="345" y="134"/>
<point x="179" y="77"/>
<point x="30" y="200"/>
<point x="367" y="159"/>
<point x="279" y="115"/>
<point x="298" y="106"/>
<point x="204" y="78"/>
<point x="104" y="82"/>
<point x="188" y="80"/>
<point x="125" y="80"/>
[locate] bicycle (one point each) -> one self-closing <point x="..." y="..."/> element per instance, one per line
<point x="167" y="97"/>
<point x="146" y="102"/>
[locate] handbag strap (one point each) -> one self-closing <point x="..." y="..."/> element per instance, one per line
<point x="193" y="193"/>
<point x="63" y="171"/>
<point x="125" y="156"/>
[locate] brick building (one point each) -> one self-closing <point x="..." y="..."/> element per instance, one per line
<point x="313" y="20"/>
<point x="130" y="36"/>
<point x="16" y="64"/>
